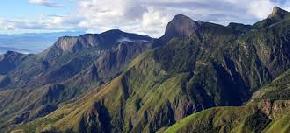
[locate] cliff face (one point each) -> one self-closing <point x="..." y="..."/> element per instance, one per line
<point x="278" y="12"/>
<point x="182" y="26"/>
<point x="104" y="40"/>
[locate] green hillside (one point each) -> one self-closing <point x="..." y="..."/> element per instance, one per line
<point x="198" y="66"/>
<point x="267" y="112"/>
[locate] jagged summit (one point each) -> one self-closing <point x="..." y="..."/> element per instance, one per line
<point x="181" y="25"/>
<point x="182" y="17"/>
<point x="277" y="11"/>
<point x="12" y="55"/>
<point x="114" y="31"/>
<point x="278" y="14"/>
<point x="107" y="39"/>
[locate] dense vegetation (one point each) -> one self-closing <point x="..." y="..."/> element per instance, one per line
<point x="93" y="84"/>
<point x="267" y="111"/>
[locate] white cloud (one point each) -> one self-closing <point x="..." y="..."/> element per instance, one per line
<point x="151" y="16"/>
<point x="261" y="9"/>
<point x="43" y="23"/>
<point x="154" y="22"/>
<point x="146" y="16"/>
<point x="99" y="15"/>
<point x="47" y="3"/>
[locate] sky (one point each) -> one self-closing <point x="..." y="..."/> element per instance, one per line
<point x="136" y="16"/>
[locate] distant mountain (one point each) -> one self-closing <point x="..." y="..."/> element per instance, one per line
<point x="30" y="43"/>
<point x="183" y="81"/>
<point x="9" y="61"/>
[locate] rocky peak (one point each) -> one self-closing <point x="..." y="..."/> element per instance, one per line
<point x="66" y="43"/>
<point x="182" y="25"/>
<point x="8" y="53"/>
<point x="11" y="55"/>
<point x="277" y="15"/>
<point x="277" y="11"/>
<point x="181" y="17"/>
<point x="116" y="36"/>
<point x="105" y="40"/>
<point x="9" y="61"/>
<point x="113" y="32"/>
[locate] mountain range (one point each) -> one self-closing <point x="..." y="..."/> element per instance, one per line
<point x="197" y="77"/>
<point x="30" y="43"/>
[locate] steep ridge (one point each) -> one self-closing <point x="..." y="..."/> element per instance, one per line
<point x="201" y="65"/>
<point x="32" y="86"/>
<point x="277" y="16"/>
<point x="267" y="112"/>
<point x="104" y="40"/>
<point x="72" y="54"/>
<point x="182" y="26"/>
<point x="278" y="12"/>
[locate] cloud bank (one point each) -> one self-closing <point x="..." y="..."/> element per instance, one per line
<point x="145" y="16"/>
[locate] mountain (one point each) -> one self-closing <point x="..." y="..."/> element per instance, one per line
<point x="32" y="86"/>
<point x="189" y="82"/>
<point x="197" y="77"/>
<point x="70" y="54"/>
<point x="30" y="43"/>
<point x="9" y="61"/>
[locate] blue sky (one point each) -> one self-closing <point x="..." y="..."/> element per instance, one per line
<point x="22" y="9"/>
<point x="138" y="16"/>
<point x="35" y="14"/>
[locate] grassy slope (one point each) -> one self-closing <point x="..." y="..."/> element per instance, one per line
<point x="143" y="97"/>
<point x="144" y="93"/>
<point x="228" y="119"/>
<point x="73" y="70"/>
<point x="235" y="119"/>
<point x="150" y="90"/>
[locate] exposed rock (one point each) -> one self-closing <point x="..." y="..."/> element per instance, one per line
<point x="278" y="12"/>
<point x="274" y="109"/>
<point x="104" y="40"/>
<point x="181" y="26"/>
